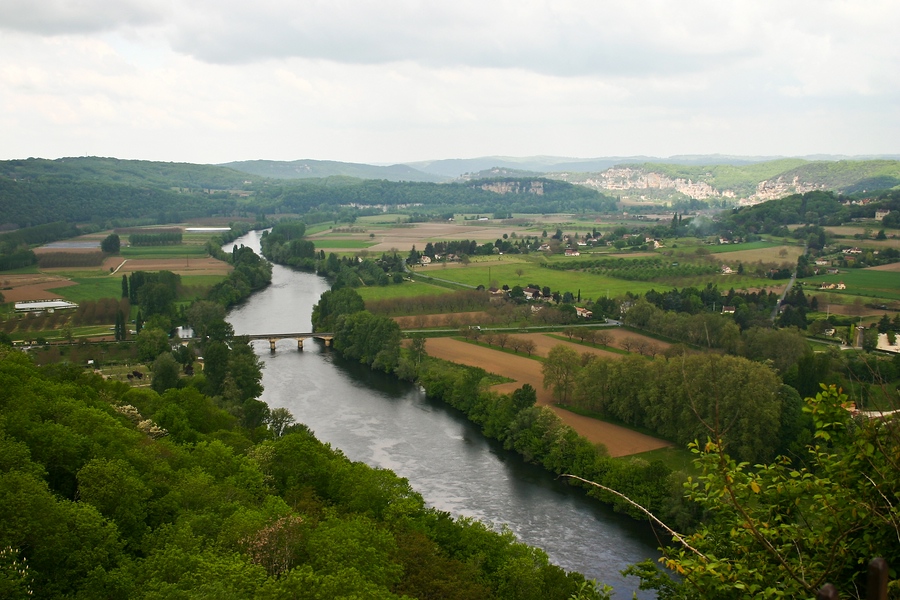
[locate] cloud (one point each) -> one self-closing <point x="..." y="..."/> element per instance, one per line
<point x="56" y="17"/>
<point x="414" y="79"/>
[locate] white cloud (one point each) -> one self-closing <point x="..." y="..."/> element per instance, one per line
<point x="409" y="79"/>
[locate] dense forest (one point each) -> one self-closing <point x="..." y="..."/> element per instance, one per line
<point x="110" y="492"/>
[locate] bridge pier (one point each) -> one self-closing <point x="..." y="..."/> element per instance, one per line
<point x="272" y="344"/>
<point x="300" y="344"/>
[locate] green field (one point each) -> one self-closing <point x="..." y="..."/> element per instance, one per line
<point x="408" y="289"/>
<point x="861" y="282"/>
<point x="91" y="288"/>
<point x="110" y="286"/>
<point x="176" y="251"/>
<point x="504" y="273"/>
<point x="723" y="248"/>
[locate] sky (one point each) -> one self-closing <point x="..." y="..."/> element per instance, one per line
<point x="212" y="81"/>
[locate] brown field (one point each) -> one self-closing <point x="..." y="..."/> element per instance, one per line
<point x="442" y="320"/>
<point x="892" y="267"/>
<point x="31" y="287"/>
<point x="766" y="255"/>
<point x="619" y="441"/>
<point x="544" y="343"/>
<point x="404" y="238"/>
<point x="192" y="266"/>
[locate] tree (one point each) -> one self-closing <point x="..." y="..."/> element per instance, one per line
<point x="782" y="529"/>
<point x="559" y="370"/>
<point x="151" y="343"/>
<point x="278" y="421"/>
<point x="528" y="346"/>
<point x="111" y="244"/>
<point x="125" y="286"/>
<point x="165" y="373"/>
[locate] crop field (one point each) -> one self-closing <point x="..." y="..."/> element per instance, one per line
<point x="407" y="289"/>
<point x="505" y="273"/>
<point x="722" y="248"/>
<point x="174" y="251"/>
<point x="618" y="440"/>
<point x="871" y="283"/>
<point x="343" y="244"/>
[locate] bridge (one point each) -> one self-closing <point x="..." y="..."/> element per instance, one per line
<point x="274" y="337"/>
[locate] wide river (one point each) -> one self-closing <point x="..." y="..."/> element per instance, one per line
<point x="386" y="423"/>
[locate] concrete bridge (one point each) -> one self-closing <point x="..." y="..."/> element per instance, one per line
<point x="274" y="337"/>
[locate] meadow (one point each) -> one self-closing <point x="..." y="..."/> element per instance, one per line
<point x="408" y="289"/>
<point x="870" y="283"/>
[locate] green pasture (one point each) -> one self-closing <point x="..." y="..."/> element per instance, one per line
<point x="407" y="289"/>
<point x="110" y="286"/>
<point x="860" y="282"/>
<point x="91" y="288"/>
<point x="29" y="270"/>
<point x="504" y="273"/>
<point x="174" y="251"/>
<point x="724" y="248"/>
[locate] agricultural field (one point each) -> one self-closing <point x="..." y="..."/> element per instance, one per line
<point x="513" y="272"/>
<point x="619" y="441"/>
<point x="408" y="289"/>
<point x="874" y="282"/>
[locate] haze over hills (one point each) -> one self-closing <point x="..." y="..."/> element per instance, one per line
<point x="306" y="169"/>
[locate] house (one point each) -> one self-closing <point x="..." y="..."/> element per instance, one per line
<point x="544" y="248"/>
<point x="727" y="310"/>
<point x="532" y="293"/>
<point x="571" y="252"/>
<point x="726" y="270"/>
<point x="853" y="250"/>
<point x="880" y="214"/>
<point x="425" y="260"/>
<point x="583" y="312"/>
<point x="833" y="271"/>
<point x="841" y="286"/>
<point x="822" y="262"/>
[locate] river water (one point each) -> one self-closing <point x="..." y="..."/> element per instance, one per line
<point x="375" y="418"/>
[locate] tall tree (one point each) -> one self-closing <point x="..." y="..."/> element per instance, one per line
<point x="559" y="369"/>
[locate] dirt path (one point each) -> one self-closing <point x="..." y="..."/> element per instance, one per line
<point x="618" y="440"/>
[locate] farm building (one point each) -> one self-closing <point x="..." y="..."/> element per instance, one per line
<point x="42" y="305"/>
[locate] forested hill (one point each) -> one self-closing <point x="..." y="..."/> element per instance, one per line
<point x="307" y="169"/>
<point x="143" y="173"/>
<point x="110" y="192"/>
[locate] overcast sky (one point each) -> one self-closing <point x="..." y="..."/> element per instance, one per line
<point x="388" y="81"/>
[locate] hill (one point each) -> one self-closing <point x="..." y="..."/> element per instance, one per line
<point x="308" y="169"/>
<point x="746" y="183"/>
<point x="141" y="173"/>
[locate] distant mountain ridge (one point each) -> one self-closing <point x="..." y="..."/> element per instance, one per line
<point x="308" y="169"/>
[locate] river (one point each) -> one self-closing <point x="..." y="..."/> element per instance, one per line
<point x="374" y="418"/>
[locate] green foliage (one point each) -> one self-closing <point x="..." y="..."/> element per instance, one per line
<point x="334" y="304"/>
<point x="111" y="244"/>
<point x="369" y="339"/>
<point x="782" y="530"/>
<point x="112" y="491"/>
<point x="683" y="398"/>
<point x="541" y="437"/>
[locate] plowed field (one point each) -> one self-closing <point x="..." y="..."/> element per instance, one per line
<point x="619" y="441"/>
